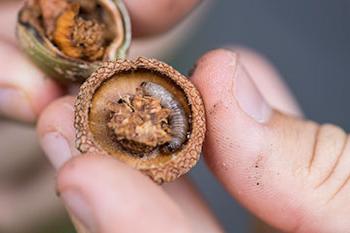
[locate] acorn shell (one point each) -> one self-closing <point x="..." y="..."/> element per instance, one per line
<point x="164" y="168"/>
<point x="61" y="67"/>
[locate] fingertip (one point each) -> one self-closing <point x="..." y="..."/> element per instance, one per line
<point x="231" y="99"/>
<point x="150" y="18"/>
<point x="56" y="131"/>
<point x="213" y="76"/>
<point x="210" y="67"/>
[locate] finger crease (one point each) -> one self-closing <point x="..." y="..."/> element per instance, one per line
<point x="335" y="164"/>
<point x="340" y="188"/>
<point x="314" y="149"/>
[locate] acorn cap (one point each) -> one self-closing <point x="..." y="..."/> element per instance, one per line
<point x="52" y="61"/>
<point x="123" y="77"/>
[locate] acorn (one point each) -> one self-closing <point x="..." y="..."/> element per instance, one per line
<point x="144" y="113"/>
<point x="69" y="39"/>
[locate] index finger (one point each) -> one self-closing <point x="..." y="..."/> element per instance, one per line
<point x="157" y="16"/>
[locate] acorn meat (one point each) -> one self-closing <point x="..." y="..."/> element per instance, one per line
<point x="144" y="113"/>
<point x="69" y="39"/>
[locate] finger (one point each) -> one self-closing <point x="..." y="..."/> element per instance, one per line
<point x="56" y="133"/>
<point x="24" y="90"/>
<point x="52" y="128"/>
<point x="272" y="87"/>
<point x="108" y="196"/>
<point x="268" y="81"/>
<point x="150" y="18"/>
<point x="32" y="103"/>
<point x="290" y="172"/>
<point x="8" y="18"/>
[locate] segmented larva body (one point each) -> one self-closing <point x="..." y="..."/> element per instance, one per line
<point x="178" y="121"/>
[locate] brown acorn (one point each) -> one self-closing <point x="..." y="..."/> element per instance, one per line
<point x="144" y="113"/>
<point x="69" y="39"/>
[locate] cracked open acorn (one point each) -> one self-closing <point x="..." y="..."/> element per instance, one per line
<point x="122" y="129"/>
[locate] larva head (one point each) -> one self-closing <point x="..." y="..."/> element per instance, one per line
<point x="68" y="39"/>
<point x="143" y="113"/>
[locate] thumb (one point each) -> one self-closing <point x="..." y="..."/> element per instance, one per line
<point x="290" y="172"/>
<point x="100" y="193"/>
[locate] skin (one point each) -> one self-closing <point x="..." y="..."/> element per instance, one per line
<point x="258" y="145"/>
<point x="32" y="92"/>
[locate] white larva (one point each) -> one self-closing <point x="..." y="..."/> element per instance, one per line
<point x="178" y="121"/>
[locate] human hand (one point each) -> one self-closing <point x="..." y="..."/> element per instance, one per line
<point x="24" y="92"/>
<point x="290" y="172"/>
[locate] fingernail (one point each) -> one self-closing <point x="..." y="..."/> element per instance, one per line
<point x="15" y="104"/>
<point x="56" y="148"/>
<point x="249" y="98"/>
<point x="80" y="209"/>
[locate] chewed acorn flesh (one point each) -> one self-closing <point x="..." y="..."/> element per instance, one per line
<point x="143" y="113"/>
<point x="69" y="39"/>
